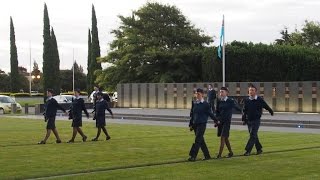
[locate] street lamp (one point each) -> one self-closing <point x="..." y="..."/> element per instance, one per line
<point x="35" y="77"/>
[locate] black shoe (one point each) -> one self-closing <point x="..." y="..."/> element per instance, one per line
<point x="192" y="159"/>
<point x="230" y="155"/>
<point x="246" y="153"/>
<point x="218" y="157"/>
<point x="206" y="158"/>
<point x="58" y="141"/>
<point x="41" y="142"/>
<point x="84" y="138"/>
<point x="70" y="141"/>
<point x="259" y="152"/>
<point x="108" y="137"/>
<point x="94" y="139"/>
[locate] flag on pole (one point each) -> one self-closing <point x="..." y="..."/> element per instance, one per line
<point x="221" y="40"/>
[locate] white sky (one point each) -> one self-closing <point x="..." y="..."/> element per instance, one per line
<point x="245" y="20"/>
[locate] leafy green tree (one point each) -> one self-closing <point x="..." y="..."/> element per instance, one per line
<point x="55" y="63"/>
<point x="285" y="37"/>
<point x="89" y="82"/>
<point x="48" y="70"/>
<point x="95" y="49"/>
<point x="309" y="35"/>
<point x="51" y="61"/>
<point x="4" y="85"/>
<point x="79" y="78"/>
<point x="14" y="75"/>
<point x="155" y="44"/>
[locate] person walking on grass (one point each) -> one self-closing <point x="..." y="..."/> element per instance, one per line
<point x="100" y="116"/>
<point x="51" y="107"/>
<point x="252" y="112"/>
<point x="200" y="111"/>
<point x="77" y="107"/>
<point x="224" y="115"/>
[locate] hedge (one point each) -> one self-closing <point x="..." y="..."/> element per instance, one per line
<point x="5" y="93"/>
<point x="247" y="62"/>
<point x="71" y="93"/>
<point x="21" y="94"/>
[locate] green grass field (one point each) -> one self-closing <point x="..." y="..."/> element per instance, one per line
<point x="149" y="152"/>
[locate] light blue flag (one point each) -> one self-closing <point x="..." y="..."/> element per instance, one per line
<point x="221" y="40"/>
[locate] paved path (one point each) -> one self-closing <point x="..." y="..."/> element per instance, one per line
<point x="184" y="124"/>
<point x="185" y="112"/>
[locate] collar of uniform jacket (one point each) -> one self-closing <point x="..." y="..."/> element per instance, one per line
<point x="253" y="98"/>
<point x="224" y="99"/>
<point x="199" y="101"/>
<point x="49" y="98"/>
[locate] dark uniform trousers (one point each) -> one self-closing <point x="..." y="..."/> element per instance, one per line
<point x="213" y="109"/>
<point x="199" y="130"/>
<point x="253" y="127"/>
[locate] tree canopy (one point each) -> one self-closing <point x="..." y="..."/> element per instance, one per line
<point x="155" y="44"/>
<point x="14" y="75"/>
<point x="308" y="36"/>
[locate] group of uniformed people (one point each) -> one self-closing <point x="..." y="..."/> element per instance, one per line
<point x="75" y="113"/>
<point x="222" y="115"/>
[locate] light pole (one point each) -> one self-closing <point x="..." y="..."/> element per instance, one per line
<point x="30" y="78"/>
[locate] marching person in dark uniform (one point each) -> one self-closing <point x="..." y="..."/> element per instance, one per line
<point x="77" y="107"/>
<point x="51" y="107"/>
<point x="224" y="115"/>
<point x="252" y="112"/>
<point x="212" y="95"/>
<point x="100" y="114"/>
<point x="200" y="111"/>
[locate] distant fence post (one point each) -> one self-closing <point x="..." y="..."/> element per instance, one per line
<point x="37" y="109"/>
<point x="26" y="108"/>
<point x="13" y="108"/>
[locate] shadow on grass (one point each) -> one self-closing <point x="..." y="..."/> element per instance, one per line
<point x="77" y="173"/>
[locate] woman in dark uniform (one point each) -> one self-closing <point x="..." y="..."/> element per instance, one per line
<point x="100" y="114"/>
<point x="224" y="115"/>
<point x="50" y="112"/>
<point x="77" y="107"/>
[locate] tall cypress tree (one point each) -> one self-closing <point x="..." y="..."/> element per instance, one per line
<point x="89" y="84"/>
<point x="55" y="63"/>
<point x="48" y="71"/>
<point x="95" y="48"/>
<point x="14" y="75"/>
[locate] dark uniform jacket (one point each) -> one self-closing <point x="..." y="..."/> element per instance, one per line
<point x="200" y="111"/>
<point x="252" y="109"/>
<point x="100" y="109"/>
<point x="211" y="96"/>
<point x="51" y="108"/>
<point x="77" y="107"/>
<point x="224" y="110"/>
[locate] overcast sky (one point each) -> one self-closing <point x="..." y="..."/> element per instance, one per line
<point x="245" y="20"/>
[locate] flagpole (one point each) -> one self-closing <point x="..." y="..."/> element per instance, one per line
<point x="223" y="56"/>
<point x="73" y="70"/>
<point x="30" y="78"/>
